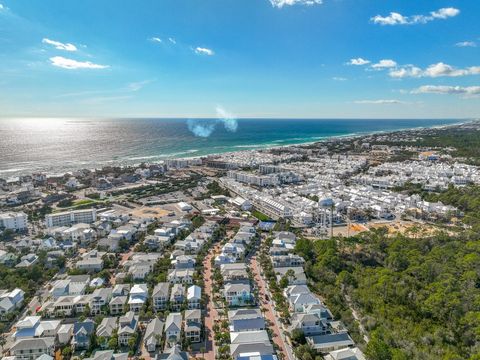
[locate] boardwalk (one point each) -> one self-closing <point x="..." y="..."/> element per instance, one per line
<point x="278" y="337"/>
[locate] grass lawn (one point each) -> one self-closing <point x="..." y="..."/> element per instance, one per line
<point x="260" y="216"/>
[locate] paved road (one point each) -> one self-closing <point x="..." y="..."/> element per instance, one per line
<point x="278" y="337"/>
<point x="210" y="312"/>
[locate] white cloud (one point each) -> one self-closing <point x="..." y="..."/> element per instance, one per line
<point x="281" y="3"/>
<point x="379" y="102"/>
<point x="71" y="64"/>
<point x="2" y="7"/>
<point x="339" y="78"/>
<point x="392" y="19"/>
<point x="441" y="69"/>
<point x="204" y="51"/>
<point x="155" y="39"/>
<point x="466" y="44"/>
<point x="435" y="70"/>
<point x="172" y="40"/>
<point x="445" y="13"/>
<point x="395" y="18"/>
<point x="442" y="89"/>
<point x="406" y="71"/>
<point x="59" y="45"/>
<point x="384" y="64"/>
<point x="358" y="61"/>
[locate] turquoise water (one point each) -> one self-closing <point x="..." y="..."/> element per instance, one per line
<point x="59" y="145"/>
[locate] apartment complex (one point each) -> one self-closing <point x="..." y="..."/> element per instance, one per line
<point x="71" y="217"/>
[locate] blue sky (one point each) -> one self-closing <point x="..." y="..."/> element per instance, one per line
<point x="254" y="58"/>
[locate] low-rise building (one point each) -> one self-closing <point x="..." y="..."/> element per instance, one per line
<point x="127" y="327"/>
<point x="160" y="296"/>
<point x="153" y="334"/>
<point x="173" y="327"/>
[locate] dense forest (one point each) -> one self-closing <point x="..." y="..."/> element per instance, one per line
<point x="417" y="298"/>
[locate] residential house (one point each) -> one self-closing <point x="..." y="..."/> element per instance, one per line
<point x="173" y="327"/>
<point x="298" y="277"/>
<point x="173" y="353"/>
<point x="64" y="334"/>
<point x="290" y="260"/>
<point x="10" y="300"/>
<point x="194" y="297"/>
<point x="117" y="304"/>
<point x="121" y="290"/>
<point x="106" y="329"/>
<point x="310" y="324"/>
<point x="330" y="342"/>
<point x="82" y="333"/>
<point x="300" y="298"/>
<point x="139" y="271"/>
<point x="107" y="355"/>
<point x="256" y="342"/>
<point x="138" y="297"/>
<point x="99" y="300"/>
<point x="32" y="348"/>
<point x="177" y="297"/>
<point x="153" y="334"/>
<point x="184" y="262"/>
<point x="246" y="320"/>
<point x="238" y="294"/>
<point x="193" y="325"/>
<point x="180" y="276"/>
<point x="27" y="261"/>
<point x="160" y="296"/>
<point x="32" y="326"/>
<point x="127" y="327"/>
<point x="345" y="354"/>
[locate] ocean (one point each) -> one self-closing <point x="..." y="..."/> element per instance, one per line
<point x="64" y="144"/>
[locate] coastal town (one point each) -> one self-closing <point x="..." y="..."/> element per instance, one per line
<point x="199" y="257"/>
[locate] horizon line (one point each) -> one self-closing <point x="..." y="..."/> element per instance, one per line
<point x="237" y="118"/>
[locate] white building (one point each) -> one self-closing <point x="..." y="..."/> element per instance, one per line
<point x="71" y="217"/>
<point x="13" y="221"/>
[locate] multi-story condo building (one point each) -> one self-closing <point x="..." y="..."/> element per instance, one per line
<point x="71" y="217"/>
<point x="13" y="221"/>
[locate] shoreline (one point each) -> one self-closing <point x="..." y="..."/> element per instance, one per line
<point x="17" y="172"/>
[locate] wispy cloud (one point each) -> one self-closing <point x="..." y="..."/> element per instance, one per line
<point x="384" y="64"/>
<point x="281" y="3"/>
<point x="380" y="102"/>
<point x="435" y="70"/>
<point x="358" y="61"/>
<point x="122" y="91"/>
<point x="138" y="85"/>
<point x="395" y="18"/>
<point x="105" y="99"/>
<point x="204" y="51"/>
<point x="443" y="89"/>
<point x="339" y="78"/>
<point x="155" y="39"/>
<point x="60" y="61"/>
<point x="59" y="45"/>
<point x="2" y="7"/>
<point x="172" y="40"/>
<point x="466" y="44"/>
